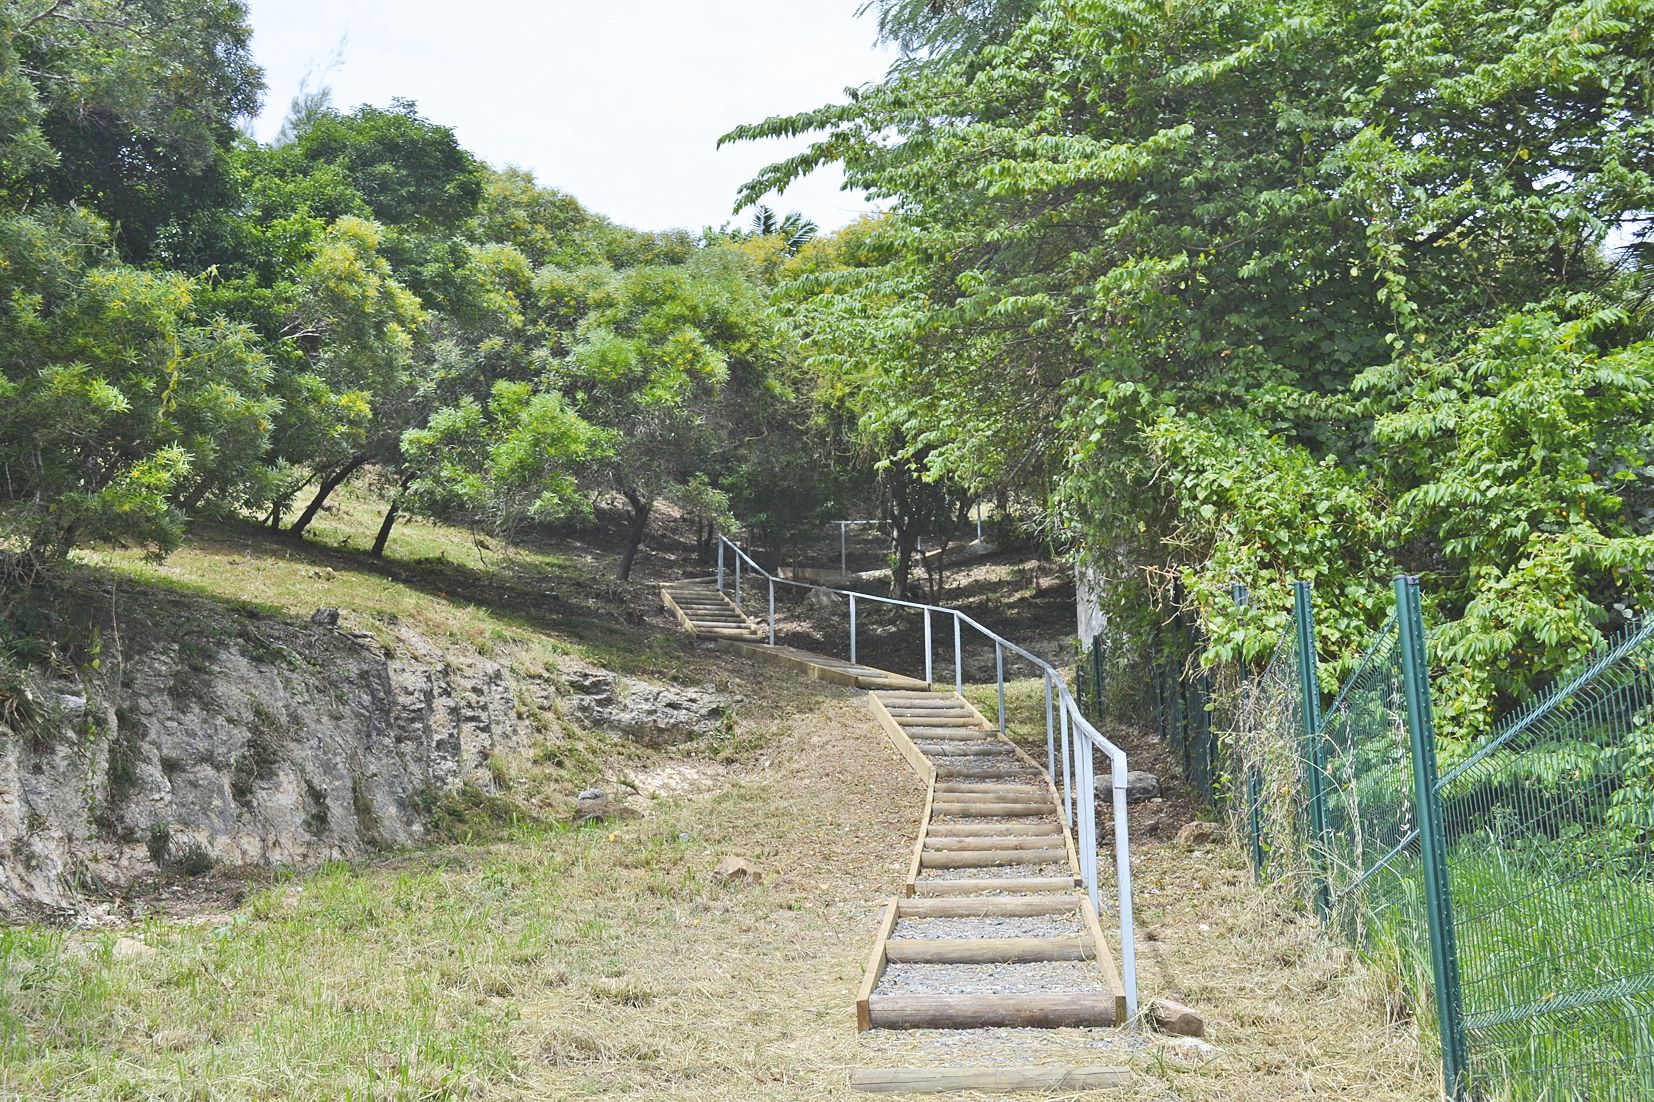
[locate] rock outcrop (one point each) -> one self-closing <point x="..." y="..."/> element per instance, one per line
<point x="235" y="739"/>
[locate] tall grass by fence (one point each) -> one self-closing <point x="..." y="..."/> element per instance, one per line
<point x="1513" y="893"/>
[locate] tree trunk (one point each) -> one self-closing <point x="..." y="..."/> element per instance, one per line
<point x="391" y="514"/>
<point x="634" y="537"/>
<point x="329" y="484"/>
<point x="902" y="569"/>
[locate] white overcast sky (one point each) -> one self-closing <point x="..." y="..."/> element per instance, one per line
<point x="619" y="102"/>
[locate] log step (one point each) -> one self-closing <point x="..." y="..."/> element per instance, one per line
<point x="1028" y="884"/>
<point x="973" y="810"/>
<point x="981" y="771"/>
<point x="1041" y="1080"/>
<point x="1042" y="1011"/>
<point x="988" y="858"/>
<point x="949" y="734"/>
<point x="938" y="721"/>
<point x="986" y="950"/>
<point x="985" y="748"/>
<point x="1002" y="906"/>
<point x="1043" y="799"/>
<point x="1026" y="791"/>
<point x="972" y="842"/>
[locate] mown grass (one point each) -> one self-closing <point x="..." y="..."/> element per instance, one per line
<point x="551" y="963"/>
<point x="445" y="582"/>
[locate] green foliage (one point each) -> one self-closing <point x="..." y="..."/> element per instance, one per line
<point x="136" y="102"/>
<point x="112" y="392"/>
<point x="411" y="172"/>
<point x="1249" y="291"/>
<point x="517" y="458"/>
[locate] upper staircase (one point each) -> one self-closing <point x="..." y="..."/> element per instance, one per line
<point x="708" y="614"/>
<point x="704" y="611"/>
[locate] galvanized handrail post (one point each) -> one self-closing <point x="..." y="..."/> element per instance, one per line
<point x="852" y="629"/>
<point x="720" y="564"/>
<point x="1421" y="734"/>
<point x="928" y="656"/>
<point x="1314" y="758"/>
<point x="999" y="675"/>
<point x="1050" y="731"/>
<point x="772" y="612"/>
<point x="738" y="559"/>
<point x="958" y="658"/>
<point x="1086" y="792"/>
<point x="1067" y="758"/>
<point x="1122" y="872"/>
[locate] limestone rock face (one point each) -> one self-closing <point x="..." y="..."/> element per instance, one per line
<point x="649" y="715"/>
<point x="271" y="742"/>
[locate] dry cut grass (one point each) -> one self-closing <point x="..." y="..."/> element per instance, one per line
<point x="600" y="963"/>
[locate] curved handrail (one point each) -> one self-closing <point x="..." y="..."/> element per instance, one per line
<point x="1078" y="781"/>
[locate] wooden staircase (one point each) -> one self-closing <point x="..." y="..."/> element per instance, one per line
<point x="991" y="930"/>
<point x="706" y="613"/>
<point x="992" y="883"/>
<point x="710" y="615"/>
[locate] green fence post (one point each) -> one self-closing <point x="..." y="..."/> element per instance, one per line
<point x="1438" y="901"/>
<point x="1314" y="754"/>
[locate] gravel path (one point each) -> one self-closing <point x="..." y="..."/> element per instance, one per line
<point x="1045" y="977"/>
<point x="1042" y="926"/>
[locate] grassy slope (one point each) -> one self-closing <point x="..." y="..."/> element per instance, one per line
<point x="531" y="961"/>
<point x="536" y="962"/>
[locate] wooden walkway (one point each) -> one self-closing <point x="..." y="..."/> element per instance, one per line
<point x="991" y="929"/>
<point x="992" y="844"/>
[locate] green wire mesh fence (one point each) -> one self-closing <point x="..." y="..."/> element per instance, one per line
<point x="1514" y="896"/>
<point x="1550" y="861"/>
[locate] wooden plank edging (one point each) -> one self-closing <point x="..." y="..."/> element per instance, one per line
<point x="1105" y="959"/>
<point x="875" y="968"/>
<point x="916" y="758"/>
<point x="923" y="839"/>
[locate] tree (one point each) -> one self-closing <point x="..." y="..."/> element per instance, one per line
<point x="794" y="230"/>
<point x="138" y="102"/>
<point x="1148" y="262"/>
<point x="668" y="360"/>
<point x="115" y="399"/>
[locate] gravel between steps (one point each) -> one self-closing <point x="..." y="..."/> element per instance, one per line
<point x="1041" y="926"/>
<point x="1042" y="978"/>
<point x="998" y="872"/>
<point x="1020" y="820"/>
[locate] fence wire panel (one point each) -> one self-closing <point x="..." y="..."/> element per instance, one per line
<point x="1550" y="827"/>
<point x="1368" y="856"/>
<point x="1269" y="811"/>
<point x="1183" y="693"/>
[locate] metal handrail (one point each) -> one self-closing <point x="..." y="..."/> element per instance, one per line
<point x="1062" y="713"/>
